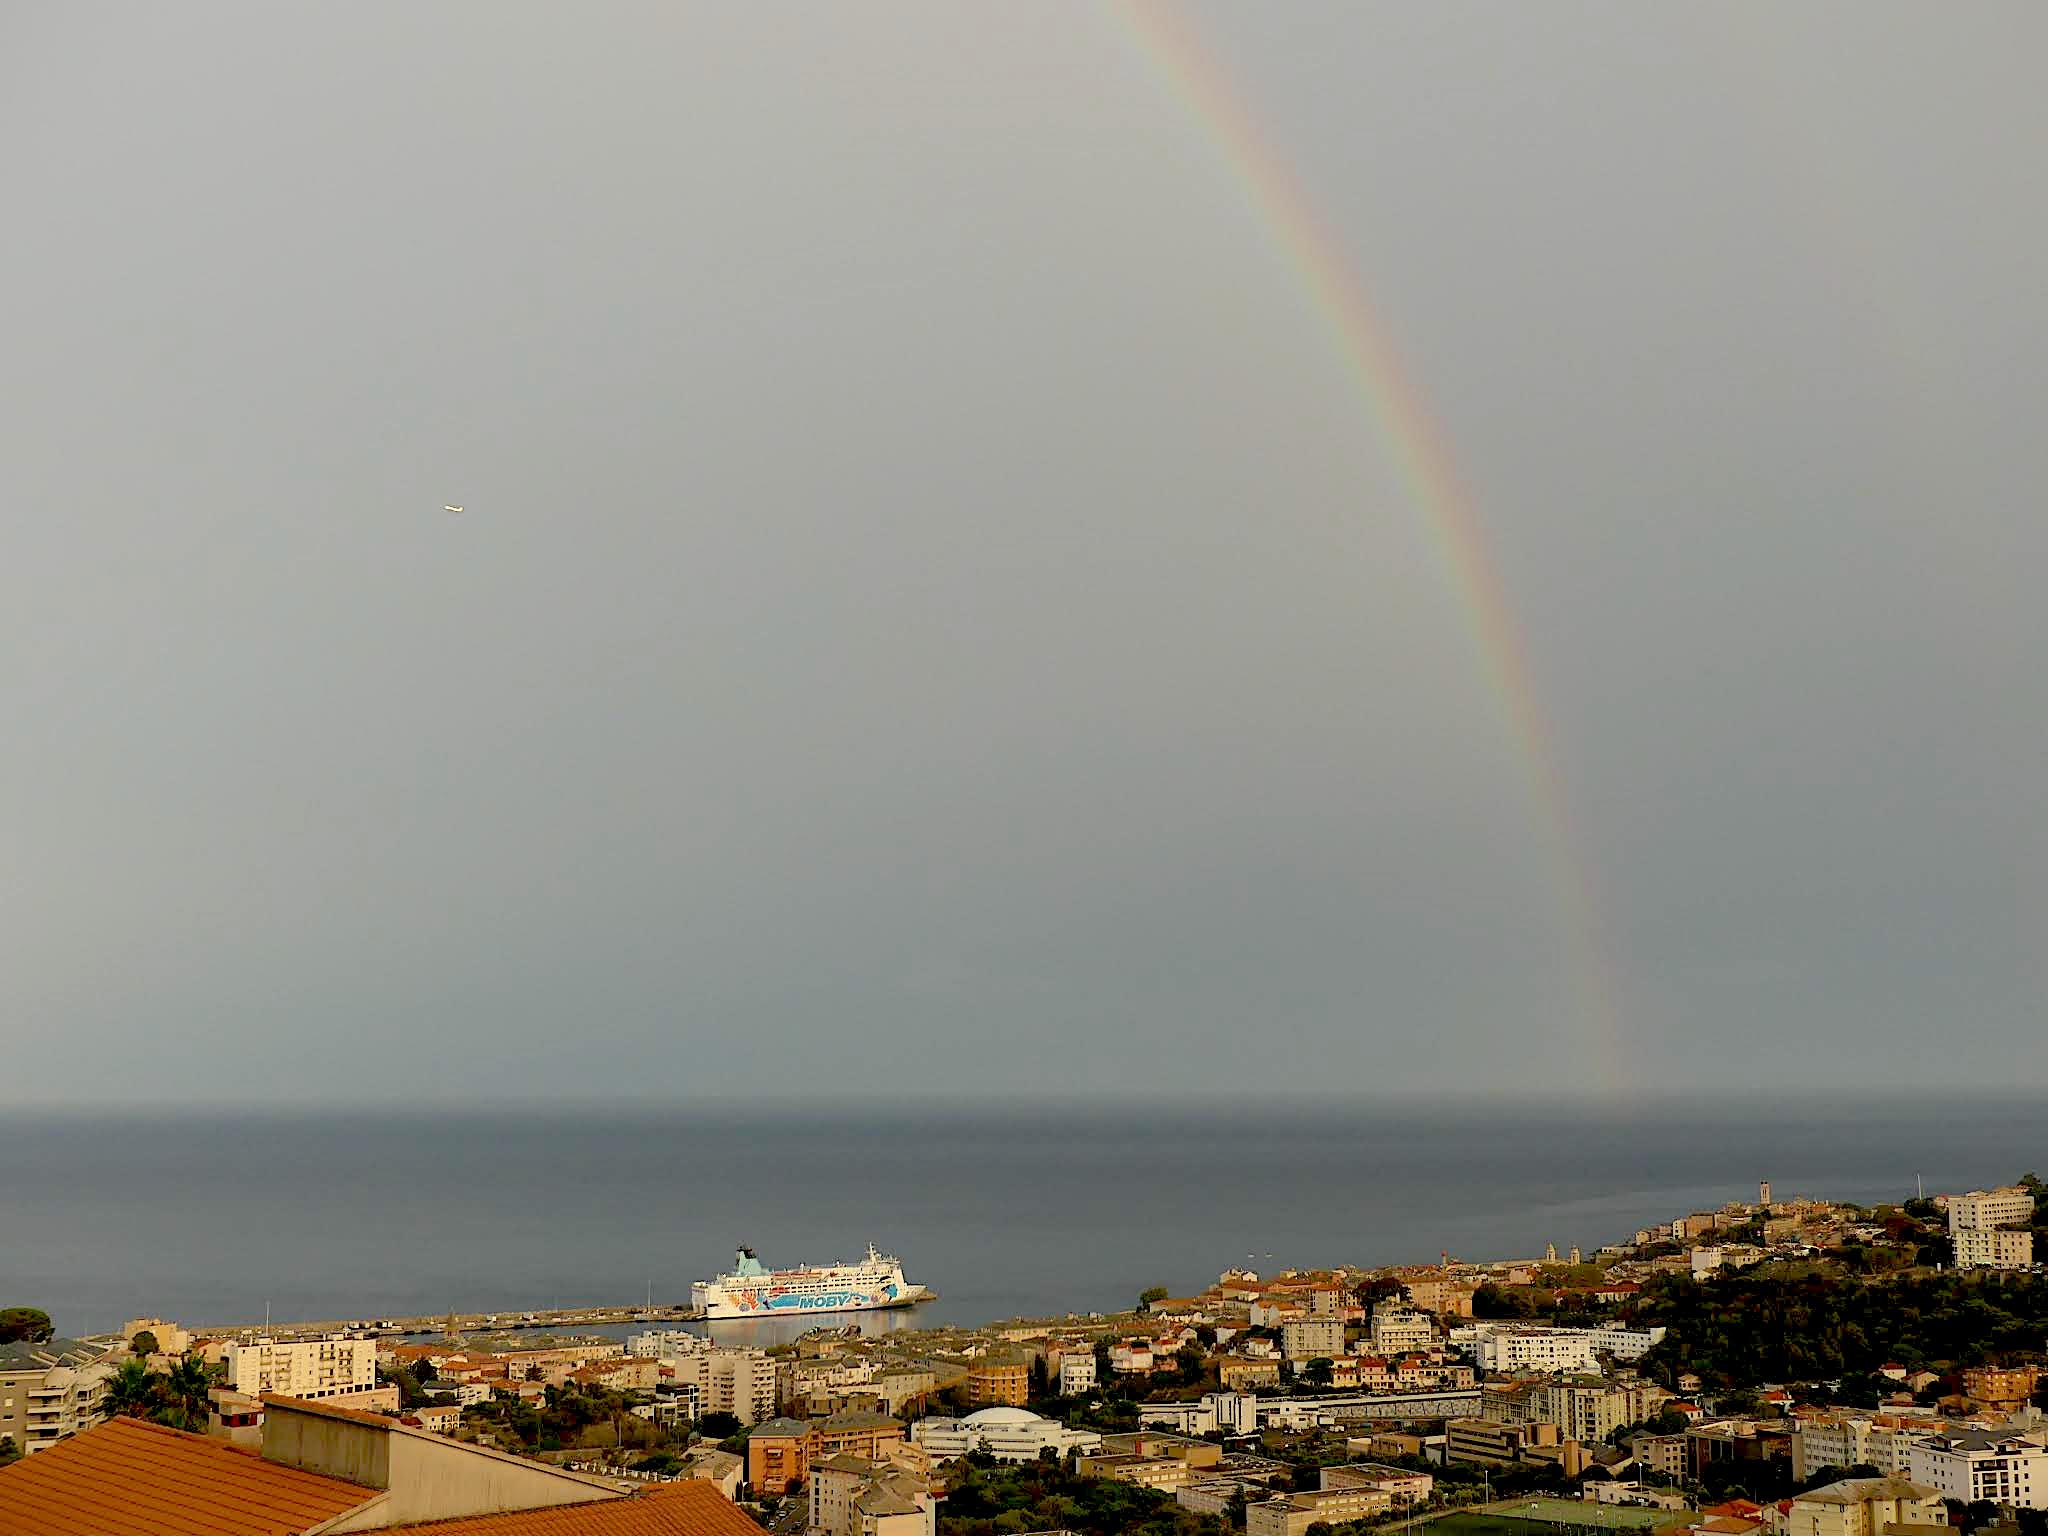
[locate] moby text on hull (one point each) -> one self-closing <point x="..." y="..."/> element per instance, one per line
<point x="752" y="1290"/>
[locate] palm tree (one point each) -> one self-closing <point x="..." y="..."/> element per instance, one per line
<point x="131" y="1390"/>
<point x="185" y="1394"/>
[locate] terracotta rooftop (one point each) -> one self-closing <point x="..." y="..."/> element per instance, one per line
<point x="126" y="1477"/>
<point x="692" y="1508"/>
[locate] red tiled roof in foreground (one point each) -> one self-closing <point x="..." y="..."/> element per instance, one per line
<point x="691" y="1508"/>
<point x="127" y="1477"/>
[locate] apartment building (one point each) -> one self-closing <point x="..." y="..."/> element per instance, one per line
<point x="1665" y="1454"/>
<point x="1981" y="1209"/>
<point x="50" y="1391"/>
<point x="857" y="1496"/>
<point x="1294" y="1514"/>
<point x="1403" y="1487"/>
<point x="1838" y="1440"/>
<point x="1077" y="1373"/>
<point x="778" y="1455"/>
<point x="2001" y="1386"/>
<point x="1003" y="1383"/>
<point x="658" y="1343"/>
<point x="1845" y="1438"/>
<point x="781" y="1452"/>
<point x="1971" y="1465"/>
<point x="1490" y="1443"/>
<point x="1993" y="1248"/>
<point x="1593" y="1408"/>
<point x="1401" y="1330"/>
<point x="1312" y="1338"/>
<point x="1444" y="1297"/>
<point x="170" y="1338"/>
<point x="1164" y="1473"/>
<point x="1863" y="1506"/>
<point x="311" y="1369"/>
<point x="1239" y="1375"/>
<point x="1506" y="1347"/>
<point x="740" y="1382"/>
<point x="1736" y="1440"/>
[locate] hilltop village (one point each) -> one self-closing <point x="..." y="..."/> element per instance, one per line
<point x="1790" y="1367"/>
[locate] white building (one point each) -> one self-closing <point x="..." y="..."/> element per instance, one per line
<point x="1971" y="1465"/>
<point x="740" y="1382"/>
<point x="1505" y="1347"/>
<point x="312" y="1368"/>
<point x="659" y="1343"/>
<point x="1993" y="1248"/>
<point x="1982" y="1209"/>
<point x="1233" y="1412"/>
<point x="1401" y="1330"/>
<point x="1311" y="1338"/>
<point x="1008" y="1434"/>
<point x="47" y="1396"/>
<point x="465" y="1393"/>
<point x="1077" y="1373"/>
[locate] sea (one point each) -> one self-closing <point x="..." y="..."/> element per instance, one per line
<point x="1005" y="1209"/>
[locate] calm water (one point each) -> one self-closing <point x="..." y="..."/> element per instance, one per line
<point x="207" y="1219"/>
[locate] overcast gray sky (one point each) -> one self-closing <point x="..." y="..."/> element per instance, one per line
<point x="934" y="611"/>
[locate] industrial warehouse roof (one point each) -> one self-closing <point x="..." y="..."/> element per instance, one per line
<point x="127" y="1476"/>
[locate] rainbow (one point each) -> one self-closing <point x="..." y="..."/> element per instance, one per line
<point x="1403" y="420"/>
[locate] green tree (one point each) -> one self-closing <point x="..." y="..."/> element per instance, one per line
<point x="1150" y="1294"/>
<point x="144" y="1343"/>
<point x="1318" y="1372"/>
<point x="131" y="1391"/>
<point x="29" y="1325"/>
<point x="1491" y="1300"/>
<point x="1371" y="1292"/>
<point x="186" y="1391"/>
<point x="9" y="1451"/>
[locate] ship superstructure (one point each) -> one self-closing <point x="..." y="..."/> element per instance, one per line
<point x="754" y="1290"/>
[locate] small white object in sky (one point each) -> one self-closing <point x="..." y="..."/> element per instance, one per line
<point x="451" y="509"/>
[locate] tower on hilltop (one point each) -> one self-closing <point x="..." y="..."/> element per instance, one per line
<point x="1763" y="1193"/>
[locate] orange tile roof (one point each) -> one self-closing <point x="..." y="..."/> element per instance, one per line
<point x="126" y="1477"/>
<point x="691" y="1508"/>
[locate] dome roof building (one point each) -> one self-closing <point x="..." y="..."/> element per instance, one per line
<point x="1008" y="1434"/>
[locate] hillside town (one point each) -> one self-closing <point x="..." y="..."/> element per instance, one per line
<point x="1789" y="1367"/>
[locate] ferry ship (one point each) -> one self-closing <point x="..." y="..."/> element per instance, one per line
<point x="754" y="1290"/>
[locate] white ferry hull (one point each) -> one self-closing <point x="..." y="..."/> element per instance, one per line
<point x="874" y="1286"/>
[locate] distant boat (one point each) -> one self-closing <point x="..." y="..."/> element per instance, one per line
<point x="451" y="509"/>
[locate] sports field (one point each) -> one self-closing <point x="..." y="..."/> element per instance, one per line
<point x="1547" y="1517"/>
